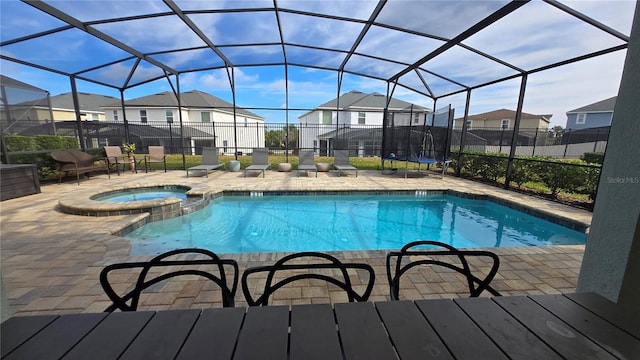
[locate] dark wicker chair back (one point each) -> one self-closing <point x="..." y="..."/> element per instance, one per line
<point x="319" y="261"/>
<point x="433" y="257"/>
<point x="129" y="300"/>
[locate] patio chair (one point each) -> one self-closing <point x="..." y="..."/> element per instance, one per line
<point x="342" y="161"/>
<point x="209" y="161"/>
<point x="259" y="161"/>
<point x="457" y="261"/>
<point x="306" y="162"/>
<point x="115" y="158"/>
<point x="320" y="262"/>
<point x="79" y="162"/>
<point x="166" y="269"/>
<point x="156" y="155"/>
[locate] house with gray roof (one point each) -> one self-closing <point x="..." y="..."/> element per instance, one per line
<point x="208" y="113"/>
<point x="354" y="110"/>
<point x="358" y="108"/>
<point x="598" y="114"/>
<point x="197" y="106"/>
<point x="62" y="106"/>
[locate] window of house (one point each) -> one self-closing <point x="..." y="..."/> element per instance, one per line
<point x="469" y="124"/>
<point x="95" y="117"/>
<point x="362" y="118"/>
<point x="326" y="117"/>
<point x="168" y="114"/>
<point x="115" y="115"/>
<point x="246" y="122"/>
<point x="581" y="119"/>
<point x="143" y="116"/>
<point x="505" y="124"/>
<point x="416" y="119"/>
<point x="205" y="117"/>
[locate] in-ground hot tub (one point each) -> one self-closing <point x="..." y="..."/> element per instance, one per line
<point x="143" y="193"/>
<point x="160" y="202"/>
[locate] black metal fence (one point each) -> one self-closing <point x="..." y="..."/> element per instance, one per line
<point x="534" y="142"/>
<point x="361" y="140"/>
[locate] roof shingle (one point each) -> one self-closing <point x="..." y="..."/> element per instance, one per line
<point x="600" y="106"/>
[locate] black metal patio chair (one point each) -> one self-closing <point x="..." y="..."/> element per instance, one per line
<point x="199" y="258"/>
<point x="434" y="257"/>
<point x="320" y="262"/>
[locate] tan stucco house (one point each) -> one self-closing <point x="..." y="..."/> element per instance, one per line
<point x="503" y="119"/>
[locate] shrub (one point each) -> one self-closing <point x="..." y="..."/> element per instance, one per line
<point x="524" y="171"/>
<point x="590" y="185"/>
<point x="16" y="143"/>
<point x="593" y="157"/>
<point x="35" y="144"/>
<point x="562" y="176"/>
<point x="570" y="176"/>
<point x="488" y="167"/>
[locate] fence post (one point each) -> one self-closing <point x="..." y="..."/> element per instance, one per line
<point x="215" y="138"/>
<point x="566" y="145"/>
<point x="170" y="139"/>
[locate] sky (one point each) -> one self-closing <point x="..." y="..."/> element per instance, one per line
<point x="533" y="36"/>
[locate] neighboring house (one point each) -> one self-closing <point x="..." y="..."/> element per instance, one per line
<point x="22" y="105"/>
<point x="595" y="115"/>
<point x="492" y="128"/>
<point x="199" y="110"/>
<point x="358" y="108"/>
<point x="351" y="111"/>
<point x="503" y="119"/>
<point x="90" y="106"/>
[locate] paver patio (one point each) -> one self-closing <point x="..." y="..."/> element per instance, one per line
<point x="51" y="260"/>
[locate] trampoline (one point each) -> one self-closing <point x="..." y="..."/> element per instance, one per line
<point x="423" y="143"/>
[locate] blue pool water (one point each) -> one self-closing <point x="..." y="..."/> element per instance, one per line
<point x="237" y="224"/>
<point x="142" y="194"/>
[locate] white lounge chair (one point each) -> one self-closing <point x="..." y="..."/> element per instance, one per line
<point x="342" y="161"/>
<point x="306" y="162"/>
<point x="259" y="161"/>
<point x="209" y="162"/>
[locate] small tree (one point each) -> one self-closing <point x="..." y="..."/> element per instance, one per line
<point x="554" y="136"/>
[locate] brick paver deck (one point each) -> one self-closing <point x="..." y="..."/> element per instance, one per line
<point x="51" y="260"/>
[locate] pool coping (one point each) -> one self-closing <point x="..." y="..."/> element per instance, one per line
<point x="169" y="208"/>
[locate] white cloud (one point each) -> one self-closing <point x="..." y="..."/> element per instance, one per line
<point x="219" y="79"/>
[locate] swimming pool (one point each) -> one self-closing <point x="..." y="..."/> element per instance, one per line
<point x="238" y="224"/>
